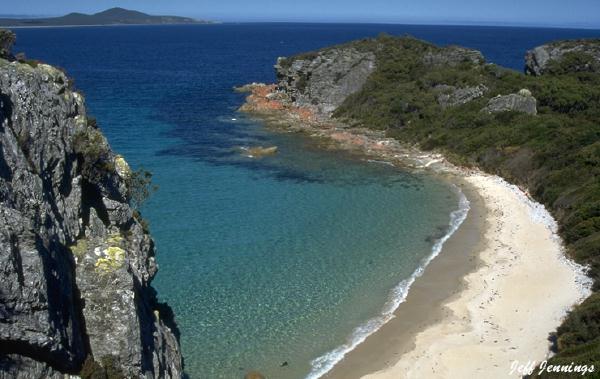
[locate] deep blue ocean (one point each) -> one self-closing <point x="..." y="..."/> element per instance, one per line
<point x="291" y="258"/>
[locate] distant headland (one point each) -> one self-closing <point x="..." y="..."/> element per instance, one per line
<point x="113" y="16"/>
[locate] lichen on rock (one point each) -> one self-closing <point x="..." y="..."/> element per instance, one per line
<point x="122" y="167"/>
<point x="112" y="258"/>
<point x="61" y="201"/>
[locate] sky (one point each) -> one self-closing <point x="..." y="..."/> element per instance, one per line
<point x="561" y="13"/>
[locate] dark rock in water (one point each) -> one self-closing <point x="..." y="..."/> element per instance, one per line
<point x="324" y="80"/>
<point x="451" y="96"/>
<point x="254" y="375"/>
<point x="517" y="102"/>
<point x="75" y="265"/>
<point x="584" y="56"/>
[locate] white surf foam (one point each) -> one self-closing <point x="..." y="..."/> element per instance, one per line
<point x="324" y="363"/>
<point x="538" y="213"/>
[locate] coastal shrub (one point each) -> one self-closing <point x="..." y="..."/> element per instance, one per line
<point x="142" y="221"/>
<point x="107" y="369"/>
<point x="573" y="61"/>
<point x="90" y="142"/>
<point x="7" y="40"/>
<point x="140" y="187"/>
<point x="581" y="326"/>
<point x="555" y="154"/>
<point x="587" y="354"/>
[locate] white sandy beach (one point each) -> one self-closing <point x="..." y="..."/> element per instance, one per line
<point x="522" y="289"/>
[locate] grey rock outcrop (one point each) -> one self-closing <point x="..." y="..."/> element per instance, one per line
<point x="538" y="59"/>
<point x="75" y="264"/>
<point x="451" y="96"/>
<point x="453" y="56"/>
<point x="522" y="102"/>
<point x="324" y="80"/>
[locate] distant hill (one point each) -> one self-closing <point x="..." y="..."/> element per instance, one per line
<point x="113" y="16"/>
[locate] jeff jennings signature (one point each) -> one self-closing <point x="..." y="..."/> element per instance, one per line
<point x="539" y="368"/>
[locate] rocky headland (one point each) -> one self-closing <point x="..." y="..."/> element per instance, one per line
<point x="412" y="103"/>
<point x="76" y="262"/>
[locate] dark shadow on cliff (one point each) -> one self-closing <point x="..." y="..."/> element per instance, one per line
<point x="62" y="312"/>
<point x="6" y="107"/>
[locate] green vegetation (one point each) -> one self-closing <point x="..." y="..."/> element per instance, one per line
<point x="574" y="61"/>
<point x="107" y="369"/>
<point x="79" y="248"/>
<point x="97" y="160"/>
<point x="7" y="40"/>
<point x="555" y="154"/>
<point x="93" y="151"/>
<point x="140" y="187"/>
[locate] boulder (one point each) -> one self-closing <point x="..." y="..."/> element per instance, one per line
<point x="450" y="96"/>
<point x="522" y="102"/>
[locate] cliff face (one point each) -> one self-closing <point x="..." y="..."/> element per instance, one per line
<point x="578" y="55"/>
<point x="539" y="131"/>
<point x="324" y="80"/>
<point x="323" y="85"/>
<point x="75" y="262"/>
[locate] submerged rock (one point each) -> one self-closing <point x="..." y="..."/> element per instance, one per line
<point x="254" y="375"/>
<point x="75" y="265"/>
<point x="518" y="102"/>
<point x="259" y="151"/>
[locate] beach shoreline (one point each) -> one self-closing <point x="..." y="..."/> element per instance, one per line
<point x="486" y="301"/>
<point x="503" y="310"/>
<point x="442" y="280"/>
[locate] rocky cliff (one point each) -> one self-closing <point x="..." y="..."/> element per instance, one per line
<point x="565" y="56"/>
<point x="75" y="261"/>
<point x="354" y="81"/>
<point x="324" y="80"/>
<point x="539" y="131"/>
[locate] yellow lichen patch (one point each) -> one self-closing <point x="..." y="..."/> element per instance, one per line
<point x="80" y="121"/>
<point x="112" y="259"/>
<point x="122" y="167"/>
<point x="79" y="248"/>
<point x="114" y="239"/>
<point x="54" y="74"/>
<point x="525" y="92"/>
<point x="78" y="99"/>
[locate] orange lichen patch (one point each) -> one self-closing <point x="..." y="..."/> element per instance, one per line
<point x="262" y="98"/>
<point x="304" y="114"/>
<point x="264" y="91"/>
<point x="348" y="138"/>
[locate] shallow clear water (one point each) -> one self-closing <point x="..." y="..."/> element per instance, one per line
<point x="263" y="261"/>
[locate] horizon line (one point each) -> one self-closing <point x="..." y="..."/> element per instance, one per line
<point x="350" y="20"/>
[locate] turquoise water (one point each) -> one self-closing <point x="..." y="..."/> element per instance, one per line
<point x="293" y="258"/>
<point x="283" y="269"/>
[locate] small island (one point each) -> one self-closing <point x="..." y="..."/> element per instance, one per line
<point x="113" y="16"/>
